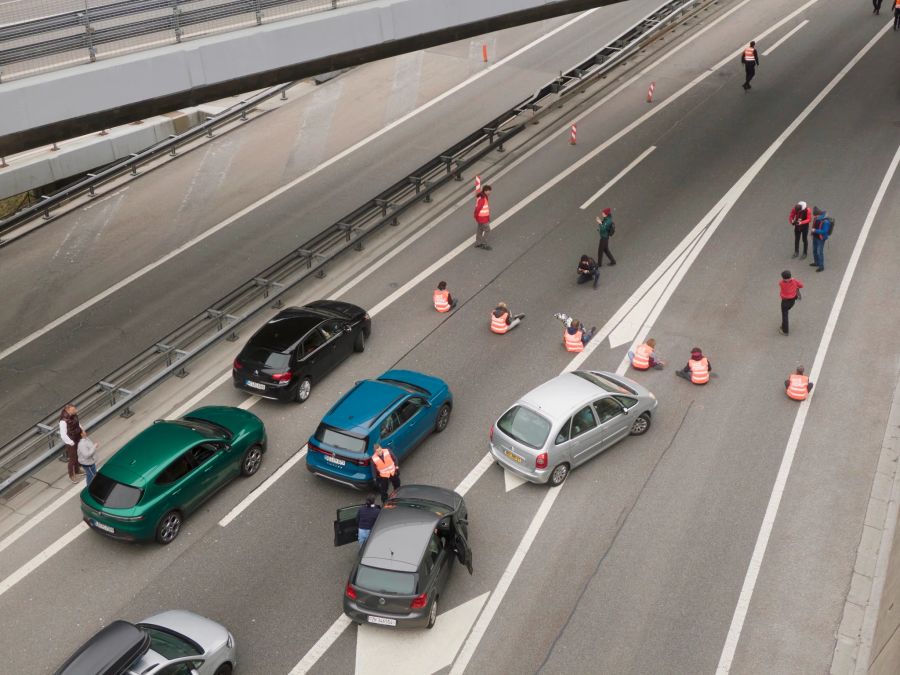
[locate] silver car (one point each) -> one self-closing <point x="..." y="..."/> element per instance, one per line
<point x="566" y="421"/>
<point x="176" y="642"/>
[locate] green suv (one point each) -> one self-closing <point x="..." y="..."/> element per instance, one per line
<point x="145" y="490"/>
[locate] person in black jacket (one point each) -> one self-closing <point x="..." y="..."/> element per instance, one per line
<point x="588" y="270"/>
<point x="750" y="59"/>
<point x="365" y="519"/>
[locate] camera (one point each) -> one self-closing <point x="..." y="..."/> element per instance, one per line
<point x="564" y="318"/>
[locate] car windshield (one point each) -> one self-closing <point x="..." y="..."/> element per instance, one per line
<point x="603" y="382"/>
<point x="339" y="440"/>
<point x="205" y="427"/>
<point x="525" y="426"/>
<point x="385" y="581"/>
<point x="169" y="644"/>
<point x="112" y="494"/>
<point x="268" y="358"/>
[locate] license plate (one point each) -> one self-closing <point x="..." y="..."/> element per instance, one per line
<point x="256" y="385"/>
<point x="101" y="526"/>
<point x="382" y="620"/>
<point x="513" y="456"/>
<point x="335" y="461"/>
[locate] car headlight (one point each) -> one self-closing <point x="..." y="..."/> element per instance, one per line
<point x="652" y="395"/>
<point x="230" y="641"/>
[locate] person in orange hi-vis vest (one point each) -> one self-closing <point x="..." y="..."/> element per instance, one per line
<point x="698" y="368"/>
<point x="575" y="338"/>
<point x="797" y="386"/>
<point x="386" y="471"/>
<point x="443" y="301"/>
<point x="645" y="356"/>
<point x="750" y="59"/>
<point x="483" y="217"/>
<point x="502" y="321"/>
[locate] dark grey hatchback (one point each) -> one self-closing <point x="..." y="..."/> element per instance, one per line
<point x="298" y="347"/>
<point x="405" y="563"/>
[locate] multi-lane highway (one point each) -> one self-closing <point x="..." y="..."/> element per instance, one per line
<point x="726" y="537"/>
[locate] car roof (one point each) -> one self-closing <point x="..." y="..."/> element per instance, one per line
<point x="205" y="633"/>
<point x="360" y="408"/>
<point x="154" y="448"/>
<point x="399" y="538"/>
<point x="109" y="652"/>
<point x="556" y="398"/>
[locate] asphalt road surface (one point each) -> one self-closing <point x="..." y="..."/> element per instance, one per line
<point x="637" y="563"/>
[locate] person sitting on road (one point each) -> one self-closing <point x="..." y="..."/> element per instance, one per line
<point x="443" y="301"/>
<point x="798" y="386"/>
<point x="697" y="369"/>
<point x="588" y="270"/>
<point x="575" y="338"/>
<point x="502" y="321"/>
<point x="645" y="356"/>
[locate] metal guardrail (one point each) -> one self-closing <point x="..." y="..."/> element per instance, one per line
<point x="117" y="392"/>
<point x="44" y="206"/>
<point x="82" y="30"/>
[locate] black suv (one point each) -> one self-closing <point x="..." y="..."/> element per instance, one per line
<point x="298" y="347"/>
<point x="405" y="563"/>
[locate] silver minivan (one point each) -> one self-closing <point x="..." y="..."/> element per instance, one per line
<point x="566" y="421"/>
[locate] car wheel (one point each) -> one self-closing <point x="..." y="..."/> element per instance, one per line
<point x="224" y="669"/>
<point x="168" y="527"/>
<point x="251" y="460"/>
<point x="559" y="474"/>
<point x="641" y="424"/>
<point x="359" y="344"/>
<point x="303" y="390"/>
<point x="442" y="418"/>
<point x="432" y="615"/>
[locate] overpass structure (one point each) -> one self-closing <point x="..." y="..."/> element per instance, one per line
<point x="85" y="92"/>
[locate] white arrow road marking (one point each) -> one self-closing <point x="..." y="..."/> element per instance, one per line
<point x="416" y="652"/>
<point x="511" y="481"/>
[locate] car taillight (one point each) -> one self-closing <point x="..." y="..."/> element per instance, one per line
<point x="419" y="601"/>
<point x="282" y="377"/>
<point x="491" y="434"/>
<point x="237" y="365"/>
<point x="540" y="462"/>
<point x="349" y="592"/>
<point x="315" y="448"/>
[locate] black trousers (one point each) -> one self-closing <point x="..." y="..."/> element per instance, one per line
<point x="590" y="276"/>
<point x="801" y="232"/>
<point x="604" y="248"/>
<point x="896" y="18"/>
<point x="382" y="484"/>
<point x="749" y="70"/>
<point x="877" y="5"/>
<point x="786" y="305"/>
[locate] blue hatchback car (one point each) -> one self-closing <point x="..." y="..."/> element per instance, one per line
<point x="398" y="410"/>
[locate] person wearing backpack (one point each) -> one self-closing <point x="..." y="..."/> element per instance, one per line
<point x="822" y="228"/>
<point x="607" y="228"/>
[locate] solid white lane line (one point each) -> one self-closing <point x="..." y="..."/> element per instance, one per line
<point x="786" y="37"/>
<point x="323" y="644"/>
<point x="39" y="518"/>
<point x="768" y="522"/>
<point x="42" y="557"/>
<point x="618" y="177"/>
<point x="280" y="191"/>
<point x="265" y="485"/>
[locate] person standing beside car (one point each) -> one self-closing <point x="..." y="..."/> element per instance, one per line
<point x="386" y="471"/>
<point x="365" y="519"/>
<point x="86" y="449"/>
<point x="70" y="432"/>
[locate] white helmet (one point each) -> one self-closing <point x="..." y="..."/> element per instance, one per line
<point x="802" y="205"/>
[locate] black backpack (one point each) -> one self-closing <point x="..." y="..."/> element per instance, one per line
<point x="612" y="229"/>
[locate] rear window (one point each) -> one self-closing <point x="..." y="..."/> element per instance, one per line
<point x="266" y="357"/>
<point x="112" y="494"/>
<point x="525" y="426"/>
<point x="340" y="440"/>
<point x="603" y="382"/>
<point x="385" y="581"/>
<point x="170" y="644"/>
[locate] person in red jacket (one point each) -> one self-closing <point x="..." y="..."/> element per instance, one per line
<point x="483" y="218"/>
<point x="800" y="218"/>
<point x="790" y="293"/>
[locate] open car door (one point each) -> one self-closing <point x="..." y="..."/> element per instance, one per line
<point x="345" y="525"/>
<point x="463" y="552"/>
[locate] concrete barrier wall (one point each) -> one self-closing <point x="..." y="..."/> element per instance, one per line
<point x="276" y="49"/>
<point x="885" y="654"/>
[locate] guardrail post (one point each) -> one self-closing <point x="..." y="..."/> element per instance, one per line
<point x="210" y="129"/>
<point x="266" y="285"/>
<point x="259" y="17"/>
<point x="88" y="32"/>
<point x="47" y="431"/>
<point x="47" y="210"/>
<point x="181" y="372"/>
<point x="3" y="163"/>
<point x="420" y="183"/>
<point x="385" y="206"/>
<point x="309" y="256"/>
<point x="176" y="20"/>
<point x="174" y="147"/>
<point x="134" y="165"/>
<point x="111" y="390"/>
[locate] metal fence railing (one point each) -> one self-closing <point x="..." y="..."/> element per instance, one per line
<point x="38" y="36"/>
<point x="121" y="389"/>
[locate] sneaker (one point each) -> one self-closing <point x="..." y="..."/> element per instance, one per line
<point x="479" y="245"/>
<point x="813" y="264"/>
<point x="486" y="247"/>
<point x="795" y="254"/>
<point x="781" y="330"/>
<point x="612" y="263"/>
<point x="820" y="269"/>
<point x="520" y="316"/>
<point x="803" y="257"/>
<point x="593" y="329"/>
